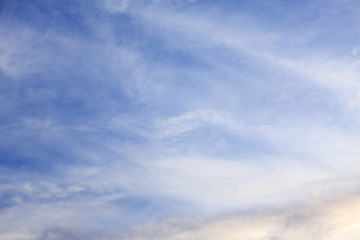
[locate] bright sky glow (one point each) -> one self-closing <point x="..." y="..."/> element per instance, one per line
<point x="179" y="120"/>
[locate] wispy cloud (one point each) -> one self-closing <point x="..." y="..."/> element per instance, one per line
<point x="179" y="120"/>
<point x="313" y="221"/>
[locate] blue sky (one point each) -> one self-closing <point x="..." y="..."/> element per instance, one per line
<point x="179" y="120"/>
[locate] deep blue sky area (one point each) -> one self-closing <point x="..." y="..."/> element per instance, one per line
<point x="179" y="119"/>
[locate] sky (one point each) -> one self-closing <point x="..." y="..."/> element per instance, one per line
<point x="179" y="120"/>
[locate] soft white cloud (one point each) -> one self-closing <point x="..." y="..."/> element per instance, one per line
<point x="355" y="51"/>
<point x="330" y="220"/>
<point x="244" y="37"/>
<point x="116" y="6"/>
<point x="17" y="55"/>
<point x="189" y="121"/>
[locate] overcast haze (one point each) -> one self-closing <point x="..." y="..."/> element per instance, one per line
<point x="179" y="120"/>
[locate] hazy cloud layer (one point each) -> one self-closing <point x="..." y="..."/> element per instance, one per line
<point x="179" y="120"/>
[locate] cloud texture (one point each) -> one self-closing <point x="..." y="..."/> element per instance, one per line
<point x="179" y="120"/>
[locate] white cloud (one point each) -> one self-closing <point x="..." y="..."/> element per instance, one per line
<point x="219" y="184"/>
<point x="116" y="6"/>
<point x="333" y="220"/>
<point x="17" y="55"/>
<point x="243" y="37"/>
<point x="189" y="121"/>
<point x="355" y="51"/>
